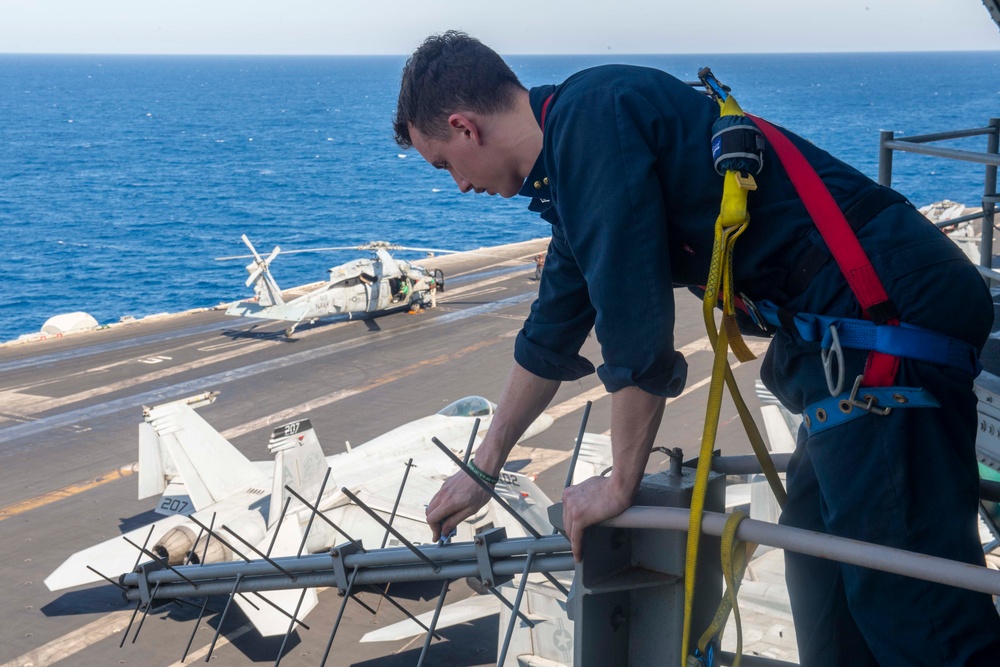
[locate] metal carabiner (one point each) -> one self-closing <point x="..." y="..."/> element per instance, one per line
<point x="838" y="388"/>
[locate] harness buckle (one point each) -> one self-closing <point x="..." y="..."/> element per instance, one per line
<point x="868" y="402"/>
<point x="835" y="351"/>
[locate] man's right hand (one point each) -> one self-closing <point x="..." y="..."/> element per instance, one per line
<point x="459" y="498"/>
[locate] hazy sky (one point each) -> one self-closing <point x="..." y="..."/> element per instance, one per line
<point x="509" y="26"/>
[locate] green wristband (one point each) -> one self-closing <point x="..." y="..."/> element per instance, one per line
<point x="485" y="476"/>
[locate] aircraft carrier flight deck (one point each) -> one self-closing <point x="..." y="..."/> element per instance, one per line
<point x="70" y="409"/>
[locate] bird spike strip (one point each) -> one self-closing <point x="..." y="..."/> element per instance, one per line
<point x="491" y="557"/>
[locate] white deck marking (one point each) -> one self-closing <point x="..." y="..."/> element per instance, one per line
<point x="74" y="642"/>
<point x="223" y="640"/>
<point x="321" y="401"/>
<point x="22" y="405"/>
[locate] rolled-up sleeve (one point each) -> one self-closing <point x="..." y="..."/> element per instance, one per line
<point x="608" y="265"/>
<point x="560" y="319"/>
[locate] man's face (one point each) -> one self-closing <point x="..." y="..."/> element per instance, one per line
<point x="473" y="164"/>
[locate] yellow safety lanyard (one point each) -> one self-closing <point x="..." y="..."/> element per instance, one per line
<point x="732" y="222"/>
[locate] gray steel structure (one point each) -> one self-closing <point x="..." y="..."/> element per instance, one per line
<point x="889" y="142"/>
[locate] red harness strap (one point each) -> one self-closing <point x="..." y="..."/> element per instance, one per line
<point x="545" y="110"/>
<point x="880" y="369"/>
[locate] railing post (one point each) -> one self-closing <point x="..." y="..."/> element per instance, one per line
<point x="885" y="158"/>
<point x="989" y="197"/>
<point x="627" y="604"/>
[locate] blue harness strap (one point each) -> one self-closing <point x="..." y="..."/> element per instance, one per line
<point x="903" y="340"/>
<point x="836" y="410"/>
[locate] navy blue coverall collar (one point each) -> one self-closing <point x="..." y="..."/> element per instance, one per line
<point x="536" y="185"/>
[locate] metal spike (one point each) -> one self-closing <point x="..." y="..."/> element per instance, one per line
<point x="500" y="501"/>
<point x="445" y="584"/>
<point x="406" y="612"/>
<point x="222" y="619"/>
<point x="249" y="601"/>
<point x="191" y="554"/>
<point x="219" y="538"/>
<point x="281" y="520"/>
<point x="486" y="487"/>
<point x="325" y="518"/>
<point x="472" y="441"/>
<point x="434" y="621"/>
<point x="131" y="621"/>
<point x="195" y="631"/>
<point x="340" y="615"/>
<point x="211" y="525"/>
<point x="319" y="499"/>
<point x="399" y="536"/>
<point x="579" y="443"/>
<point x="145" y="612"/>
<point x="106" y="578"/>
<point x="392" y="517"/>
<point x="510" y="605"/>
<point x="159" y="561"/>
<point x="260" y="553"/>
<point x="277" y="607"/>
<point x="145" y="543"/>
<point x="517" y="606"/>
<point x="291" y="625"/>
<point x="399" y="496"/>
<point x="364" y="605"/>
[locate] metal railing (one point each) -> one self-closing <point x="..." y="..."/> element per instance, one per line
<point x="889" y="142"/>
<point x="493" y="559"/>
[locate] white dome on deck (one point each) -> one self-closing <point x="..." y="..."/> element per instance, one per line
<point x="60" y="324"/>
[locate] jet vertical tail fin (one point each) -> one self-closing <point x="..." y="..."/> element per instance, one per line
<point x="177" y="446"/>
<point x="299" y="463"/>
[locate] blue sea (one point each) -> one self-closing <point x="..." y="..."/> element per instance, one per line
<point x="123" y="177"/>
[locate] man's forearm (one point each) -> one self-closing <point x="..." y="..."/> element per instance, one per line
<point x="635" y="418"/>
<point x="524" y="397"/>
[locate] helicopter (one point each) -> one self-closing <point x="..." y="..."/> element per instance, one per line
<point x="362" y="287"/>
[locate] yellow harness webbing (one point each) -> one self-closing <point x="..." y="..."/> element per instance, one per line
<point x="731" y="223"/>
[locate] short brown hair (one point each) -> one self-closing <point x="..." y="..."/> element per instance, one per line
<point x="447" y="73"/>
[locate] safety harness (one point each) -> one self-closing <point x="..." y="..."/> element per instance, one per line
<point x="738" y="143"/>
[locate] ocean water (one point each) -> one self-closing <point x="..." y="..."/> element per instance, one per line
<point x="123" y="177"/>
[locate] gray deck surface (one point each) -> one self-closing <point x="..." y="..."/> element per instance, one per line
<point x="69" y="410"/>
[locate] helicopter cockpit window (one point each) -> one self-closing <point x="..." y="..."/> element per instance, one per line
<point x="470" y="406"/>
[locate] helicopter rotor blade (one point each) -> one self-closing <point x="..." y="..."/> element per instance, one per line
<point x="346" y="247"/>
<point x="252" y="249"/>
<point x="274" y="253"/>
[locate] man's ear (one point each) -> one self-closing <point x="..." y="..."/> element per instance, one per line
<point x="465" y="125"/>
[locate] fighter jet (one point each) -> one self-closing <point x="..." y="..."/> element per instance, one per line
<point x="220" y="506"/>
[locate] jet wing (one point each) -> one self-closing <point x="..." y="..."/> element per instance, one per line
<point x="111" y="557"/>
<point x="463" y="611"/>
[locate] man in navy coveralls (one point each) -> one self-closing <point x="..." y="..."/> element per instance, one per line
<point x="618" y="160"/>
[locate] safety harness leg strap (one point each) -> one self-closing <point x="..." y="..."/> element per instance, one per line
<point x="837" y="410"/>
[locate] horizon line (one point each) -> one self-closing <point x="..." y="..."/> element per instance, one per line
<point x="519" y="54"/>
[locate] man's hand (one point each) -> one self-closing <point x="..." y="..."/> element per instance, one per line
<point x="590" y="502"/>
<point x="459" y="498"/>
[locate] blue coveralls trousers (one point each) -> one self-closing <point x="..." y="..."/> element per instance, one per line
<point x="908" y="479"/>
